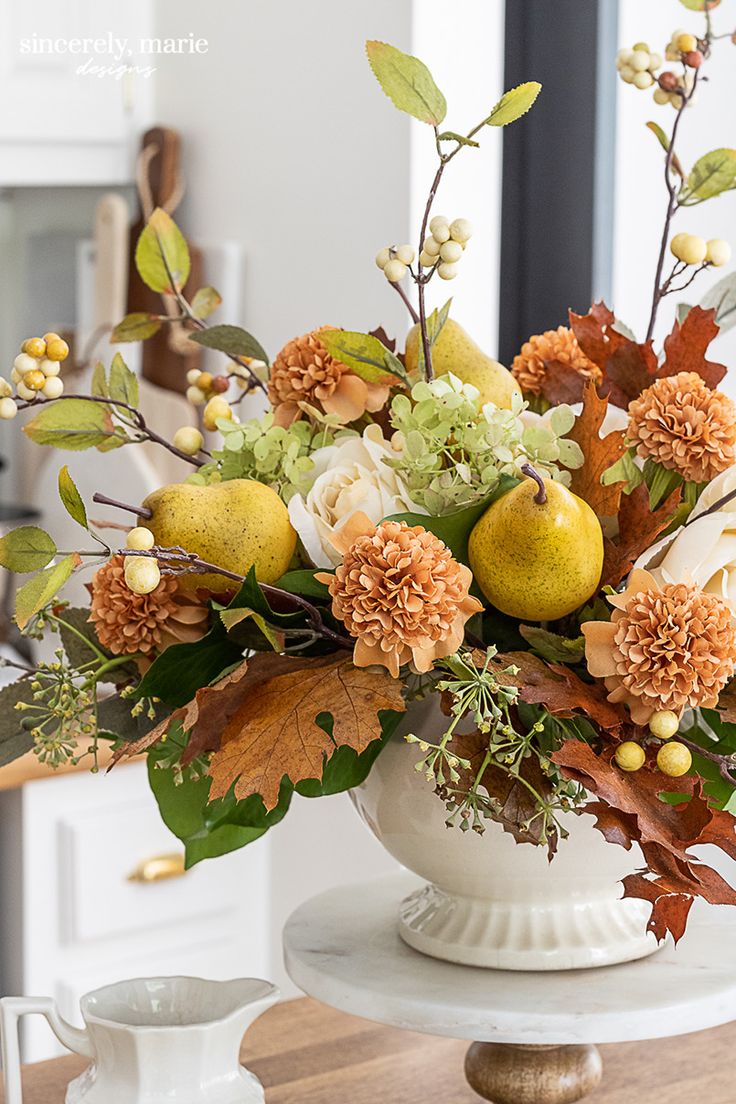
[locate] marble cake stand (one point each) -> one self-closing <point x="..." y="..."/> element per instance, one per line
<point x="534" y="1034"/>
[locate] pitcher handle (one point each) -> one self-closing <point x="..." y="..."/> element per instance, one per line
<point x="11" y="1009"/>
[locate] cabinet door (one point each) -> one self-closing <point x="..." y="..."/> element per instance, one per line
<point x="75" y="89"/>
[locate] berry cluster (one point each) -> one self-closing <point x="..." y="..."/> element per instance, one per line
<point x="673" y="758"/>
<point x="208" y="391"/>
<point x="394" y="261"/>
<point x="693" y="250"/>
<point x="684" y="47"/>
<point x="35" y="373"/>
<point x="445" y="245"/>
<point x="142" y="573"/>
<point x="638" y="66"/>
<point x="672" y="87"/>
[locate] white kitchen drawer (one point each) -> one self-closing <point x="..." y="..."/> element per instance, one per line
<point x="99" y="850"/>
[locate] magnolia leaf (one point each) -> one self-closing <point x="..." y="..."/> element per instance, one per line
<point x="72" y="424"/>
<point x="205" y="301"/>
<point x="162" y="254"/>
<point x="44" y="586"/>
<point x="407" y="82"/>
<point x="122" y="382"/>
<point x="135" y="327"/>
<point x="276" y="717"/>
<point x="231" y="340"/>
<point x="71" y="498"/>
<point x="713" y="174"/>
<point x="453" y="136"/>
<point x="364" y="354"/>
<point x="514" y="103"/>
<point x="26" y="549"/>
<point x="722" y="299"/>
<point x="302" y="581"/>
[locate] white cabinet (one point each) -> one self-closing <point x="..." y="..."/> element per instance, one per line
<point x="73" y="920"/>
<point x="74" y="88"/>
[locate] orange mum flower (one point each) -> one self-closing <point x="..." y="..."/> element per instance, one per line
<point x="401" y="593"/>
<point x="305" y="372"/>
<point x="665" y="647"/>
<point x="682" y="424"/>
<point x="530" y="366"/>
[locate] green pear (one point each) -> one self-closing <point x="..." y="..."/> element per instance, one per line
<point x="537" y="555"/>
<point x="455" y="351"/>
<point x="236" y="524"/>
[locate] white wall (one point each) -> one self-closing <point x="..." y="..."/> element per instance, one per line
<point x="640" y="191"/>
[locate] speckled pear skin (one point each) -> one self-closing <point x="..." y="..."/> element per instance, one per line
<point x="537" y="562"/>
<point x="235" y="524"/>
<point x="456" y="352"/>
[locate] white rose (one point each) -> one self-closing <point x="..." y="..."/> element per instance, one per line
<point x="703" y="551"/>
<point x="350" y="475"/>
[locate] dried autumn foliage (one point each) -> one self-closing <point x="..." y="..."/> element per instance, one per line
<point x="272" y="731"/>
<point x="600" y="453"/>
<point x="687" y="345"/>
<point x="519" y="810"/>
<point x="559" y="690"/>
<point x="627" y="366"/>
<point x="639" y="526"/>
<point x="631" y="810"/>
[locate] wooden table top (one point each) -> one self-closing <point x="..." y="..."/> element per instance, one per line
<point x="305" y="1053"/>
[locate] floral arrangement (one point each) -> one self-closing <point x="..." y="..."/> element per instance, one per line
<point x="549" y="550"/>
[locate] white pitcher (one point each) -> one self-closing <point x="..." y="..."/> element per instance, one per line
<point x="152" y="1039"/>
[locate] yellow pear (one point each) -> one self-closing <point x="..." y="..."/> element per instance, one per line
<point x="537" y="555"/>
<point x="455" y="351"/>
<point x="237" y="524"/>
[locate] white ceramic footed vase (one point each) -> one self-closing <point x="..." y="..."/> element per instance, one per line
<point x="153" y="1039"/>
<point x="490" y="901"/>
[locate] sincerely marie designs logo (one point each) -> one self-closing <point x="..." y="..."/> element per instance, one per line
<point x="118" y="53"/>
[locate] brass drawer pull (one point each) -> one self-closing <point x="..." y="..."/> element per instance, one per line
<point x="158" y="868"/>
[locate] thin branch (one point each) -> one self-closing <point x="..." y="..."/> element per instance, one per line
<point x="725" y="763"/>
<point x="407" y="302"/>
<point x="422" y="281"/>
<point x="139" y="511"/>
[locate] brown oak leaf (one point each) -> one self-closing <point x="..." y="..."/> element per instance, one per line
<point x="687" y="345"/>
<point x="559" y="689"/>
<point x="272" y="732"/>
<point x="600" y="453"/>
<point x="562" y="383"/>
<point x="627" y="367"/>
<point x="670" y="906"/>
<point x="519" y="811"/>
<point x="639" y="526"/>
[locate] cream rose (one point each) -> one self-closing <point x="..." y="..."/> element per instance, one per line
<point x="702" y="552"/>
<point x="349" y="476"/>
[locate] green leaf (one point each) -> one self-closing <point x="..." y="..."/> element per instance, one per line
<point x="122" y="382"/>
<point x="683" y="310"/>
<point x="72" y="424"/>
<point x="514" y="103"/>
<point x="625" y="470"/>
<point x="407" y="82"/>
<point x="98" y="385"/>
<point x="660" y="135"/>
<point x="660" y="481"/>
<point x="345" y="769"/>
<point x="79" y="651"/>
<point x="700" y="5"/>
<point x="116" y="721"/>
<point x="231" y="340"/>
<point x="71" y="498"/>
<point x="722" y="298"/>
<point x="232" y="618"/>
<point x="27" y="548"/>
<point x="454" y="529"/>
<point x="364" y="354"/>
<point x="553" y="647"/>
<point x="453" y="136"/>
<point x="713" y="174"/>
<point x="304" y="583"/>
<point x="135" y="327"/>
<point x="14" y="739"/>
<point x="162" y="254"/>
<point x="205" y="302"/>
<point x="44" y="586"/>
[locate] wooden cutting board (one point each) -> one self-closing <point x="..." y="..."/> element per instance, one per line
<point x="168" y="355"/>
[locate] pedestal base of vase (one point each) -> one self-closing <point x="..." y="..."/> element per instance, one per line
<point x="499" y="935"/>
<point x="506" y="1074"/>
